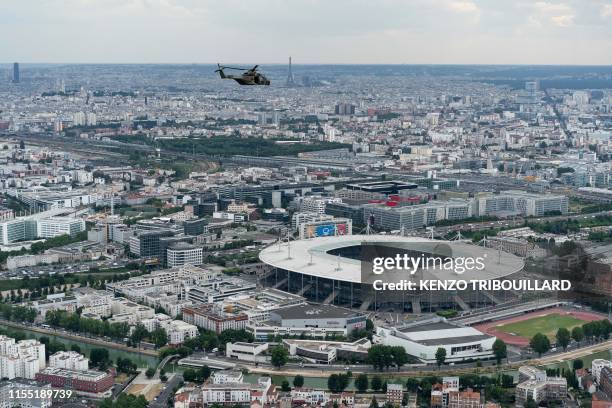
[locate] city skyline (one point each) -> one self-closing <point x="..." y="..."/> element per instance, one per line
<point x="432" y="32"/>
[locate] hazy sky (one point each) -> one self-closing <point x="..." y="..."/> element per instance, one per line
<point x="312" y="31"/>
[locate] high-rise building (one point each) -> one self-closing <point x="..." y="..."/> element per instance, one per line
<point x="16" y="72"/>
<point x="344" y="109"/>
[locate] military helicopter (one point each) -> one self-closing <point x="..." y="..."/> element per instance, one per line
<point x="248" y="77"/>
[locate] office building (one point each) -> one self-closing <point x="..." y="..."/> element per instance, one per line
<point x="181" y="253"/>
<point x="16" y="75"/>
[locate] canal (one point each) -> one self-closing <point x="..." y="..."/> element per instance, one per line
<point x="141" y="360"/>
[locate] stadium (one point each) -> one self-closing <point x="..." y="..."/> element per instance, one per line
<point x="329" y="270"/>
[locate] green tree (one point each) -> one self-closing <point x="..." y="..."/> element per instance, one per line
<point x="139" y="334"/>
<point x="440" y="356"/>
<point x="577" y="364"/>
<point x="380" y="356"/>
<point x="577" y="334"/>
<point x="125" y="365"/>
<point x="150" y="372"/>
<point x="189" y="375"/>
<point x="500" y="350"/>
<point x="337" y="382"/>
<point x="540" y="343"/>
<point x="530" y="403"/>
<point x="298" y="381"/>
<point x="279" y="356"/>
<point x="399" y="356"/>
<point x="159" y="337"/>
<point x="412" y="384"/>
<point x="99" y="357"/>
<point x="285" y="386"/>
<point x="376" y="383"/>
<point x="361" y="382"/>
<point x="563" y="337"/>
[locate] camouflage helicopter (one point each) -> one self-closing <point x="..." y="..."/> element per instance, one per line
<point x="248" y="77"/>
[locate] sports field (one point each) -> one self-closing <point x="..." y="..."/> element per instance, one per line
<point x="518" y="330"/>
<point x="547" y="325"/>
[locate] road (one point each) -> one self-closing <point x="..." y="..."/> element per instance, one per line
<point x="168" y="391"/>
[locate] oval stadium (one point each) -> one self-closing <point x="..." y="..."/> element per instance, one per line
<point x="329" y="270"/>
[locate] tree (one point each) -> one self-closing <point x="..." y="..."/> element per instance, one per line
<point x="399" y="356"/>
<point x="150" y="372"/>
<point x="374" y="403"/>
<point x="530" y="403"/>
<point x="159" y="337"/>
<point x="203" y="373"/>
<point x="189" y="375"/>
<point x="376" y="383"/>
<point x="540" y="343"/>
<point x="577" y="364"/>
<point x="440" y="356"/>
<point x="139" y="334"/>
<point x="298" y="381"/>
<point x="21" y="144"/>
<point x="577" y="334"/>
<point x="380" y="356"/>
<point x="285" y="386"/>
<point x="563" y="337"/>
<point x="279" y="356"/>
<point x="361" y="382"/>
<point x="499" y="350"/>
<point x="75" y="348"/>
<point x="99" y="357"/>
<point x="125" y="365"/>
<point x="412" y="384"/>
<point x="337" y="382"/>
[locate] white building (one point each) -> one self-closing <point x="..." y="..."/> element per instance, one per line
<point x="422" y="340"/>
<point x="317" y="204"/>
<point x="183" y="253"/>
<point x="56" y="226"/>
<point x="23" y="359"/>
<point x="597" y="365"/>
<point x="178" y="331"/>
<point x="70" y="360"/>
<point x="252" y="352"/>
<point x="229" y="394"/>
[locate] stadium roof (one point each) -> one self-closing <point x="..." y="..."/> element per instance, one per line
<point x="311" y="257"/>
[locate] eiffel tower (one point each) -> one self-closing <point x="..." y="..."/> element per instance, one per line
<point x="290" y="78"/>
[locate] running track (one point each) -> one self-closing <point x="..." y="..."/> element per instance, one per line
<point x="491" y="327"/>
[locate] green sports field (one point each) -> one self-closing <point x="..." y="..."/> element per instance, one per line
<point x="547" y="325"/>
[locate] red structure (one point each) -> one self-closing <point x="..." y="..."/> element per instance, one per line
<point x="85" y="382"/>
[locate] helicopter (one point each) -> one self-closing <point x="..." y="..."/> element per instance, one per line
<point x="248" y="77"/>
